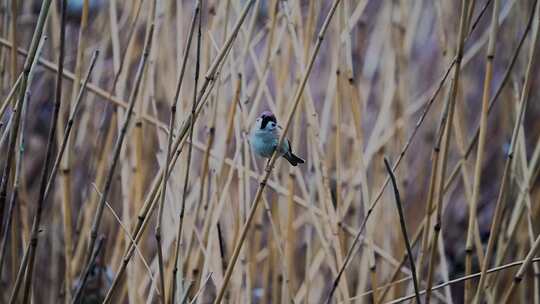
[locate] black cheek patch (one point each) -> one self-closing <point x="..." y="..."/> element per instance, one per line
<point x="266" y="120"/>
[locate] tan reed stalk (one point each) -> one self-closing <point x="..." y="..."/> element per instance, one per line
<point x="177" y="253"/>
<point x="65" y="171"/>
<point x="339" y="208"/>
<point x="290" y="238"/>
<point x="172" y="120"/>
<point x="355" y="103"/>
<point x="490" y="55"/>
<point x="446" y="129"/>
<point x="465" y="177"/>
<point x="497" y="216"/>
<point x="270" y="164"/>
<point x="432" y="182"/>
<point x="139" y="170"/>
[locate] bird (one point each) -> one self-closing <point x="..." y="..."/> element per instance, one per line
<point x="264" y="138"/>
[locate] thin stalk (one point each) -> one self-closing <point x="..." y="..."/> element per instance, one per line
<point x="119" y="142"/>
<point x="65" y="172"/>
<point x="499" y="207"/>
<point x="446" y="140"/>
<point x="66" y="204"/>
<point x="171" y="130"/>
<point x="32" y="246"/>
<point x="490" y="55"/>
<point x="403" y="228"/>
<point x="270" y="164"/>
<point x="177" y="253"/>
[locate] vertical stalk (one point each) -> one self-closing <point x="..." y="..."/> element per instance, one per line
<point x="190" y="149"/>
<point x="50" y="145"/>
<point x="490" y="55"/>
<point x="499" y="207"/>
<point x="446" y="140"/>
<point x="172" y="120"/>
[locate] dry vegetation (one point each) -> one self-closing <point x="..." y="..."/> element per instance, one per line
<point x="127" y="177"/>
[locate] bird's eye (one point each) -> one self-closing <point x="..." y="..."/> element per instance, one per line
<point x="272" y="124"/>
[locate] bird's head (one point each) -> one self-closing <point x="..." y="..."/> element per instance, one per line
<point x="266" y="121"/>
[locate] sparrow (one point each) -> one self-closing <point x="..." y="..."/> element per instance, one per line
<point x="264" y="138"/>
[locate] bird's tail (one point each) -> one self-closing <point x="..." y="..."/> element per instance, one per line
<point x="293" y="159"/>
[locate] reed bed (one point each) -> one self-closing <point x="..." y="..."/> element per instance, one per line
<point x="127" y="174"/>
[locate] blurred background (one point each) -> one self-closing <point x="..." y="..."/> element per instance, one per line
<point x="384" y="81"/>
